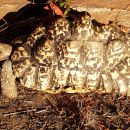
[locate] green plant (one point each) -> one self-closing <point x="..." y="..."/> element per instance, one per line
<point x="64" y="5"/>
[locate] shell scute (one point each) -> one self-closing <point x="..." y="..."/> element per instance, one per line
<point x="75" y="57"/>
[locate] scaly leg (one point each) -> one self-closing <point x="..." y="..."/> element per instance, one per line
<point x="8" y="84"/>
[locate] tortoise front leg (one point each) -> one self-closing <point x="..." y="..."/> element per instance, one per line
<point x="6" y="73"/>
<point x="8" y="84"/>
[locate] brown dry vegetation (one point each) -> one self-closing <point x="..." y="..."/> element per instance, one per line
<point x="35" y="110"/>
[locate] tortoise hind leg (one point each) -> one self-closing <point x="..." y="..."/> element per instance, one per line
<point x="8" y="84"/>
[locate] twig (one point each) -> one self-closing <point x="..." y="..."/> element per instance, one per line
<point x="15" y="113"/>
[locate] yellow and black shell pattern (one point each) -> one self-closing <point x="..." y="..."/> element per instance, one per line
<point x="76" y="56"/>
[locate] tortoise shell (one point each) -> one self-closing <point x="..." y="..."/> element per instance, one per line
<point x="74" y="56"/>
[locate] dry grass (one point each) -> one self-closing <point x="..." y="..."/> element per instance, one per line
<point x="36" y="110"/>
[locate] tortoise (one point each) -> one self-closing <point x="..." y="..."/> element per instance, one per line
<point x="71" y="55"/>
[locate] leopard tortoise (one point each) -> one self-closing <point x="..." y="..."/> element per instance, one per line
<point x="77" y="55"/>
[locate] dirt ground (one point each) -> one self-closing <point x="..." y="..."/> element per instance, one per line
<point x="34" y="110"/>
<point x="101" y="10"/>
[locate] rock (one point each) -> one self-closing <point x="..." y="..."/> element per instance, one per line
<point x="7" y="6"/>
